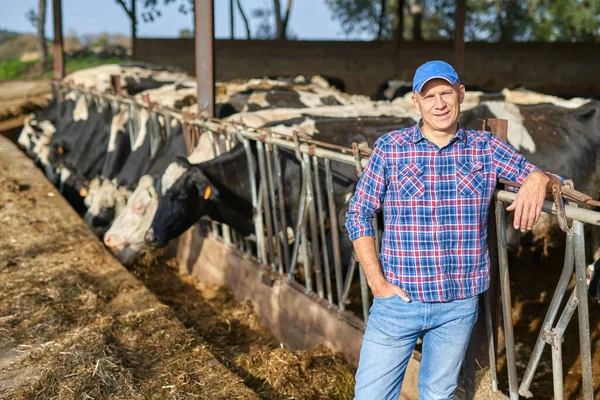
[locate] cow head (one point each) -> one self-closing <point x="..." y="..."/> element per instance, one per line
<point x="191" y="196"/>
<point x="126" y="234"/>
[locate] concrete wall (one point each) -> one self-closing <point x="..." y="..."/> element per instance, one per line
<point x="557" y="68"/>
<point x="297" y="319"/>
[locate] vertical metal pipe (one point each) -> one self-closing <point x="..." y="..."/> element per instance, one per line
<point x="364" y="294"/>
<point x="204" y="55"/>
<point x="265" y="200"/>
<point x="337" y="257"/>
<point x="273" y="209"/>
<point x="321" y="210"/>
<point x="299" y="227"/>
<point x="490" y="338"/>
<point x="349" y="277"/>
<point x="584" y="319"/>
<point x="557" y="370"/>
<point x="211" y="138"/>
<point x="258" y="221"/>
<point x="506" y="303"/>
<point x="306" y="166"/>
<point x="282" y="215"/>
<point x="227" y="232"/>
<point x="550" y="317"/>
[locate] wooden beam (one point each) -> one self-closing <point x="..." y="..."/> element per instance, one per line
<point x="57" y="48"/>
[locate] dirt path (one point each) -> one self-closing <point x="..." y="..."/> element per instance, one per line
<point x="21" y="97"/>
<point x="74" y="324"/>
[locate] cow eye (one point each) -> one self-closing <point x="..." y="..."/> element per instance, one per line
<point x="181" y="196"/>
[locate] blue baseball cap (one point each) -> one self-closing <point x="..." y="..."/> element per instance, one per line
<point x="434" y="70"/>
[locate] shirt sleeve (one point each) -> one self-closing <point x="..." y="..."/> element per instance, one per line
<point x="510" y="165"/>
<point x="368" y="196"/>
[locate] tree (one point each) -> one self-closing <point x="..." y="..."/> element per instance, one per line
<point x="486" y="20"/>
<point x="282" y="23"/>
<point x="186" y="33"/>
<point x="243" y="14"/>
<point x="38" y="20"/>
<point x="133" y="18"/>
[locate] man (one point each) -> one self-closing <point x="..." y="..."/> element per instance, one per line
<point x="436" y="180"/>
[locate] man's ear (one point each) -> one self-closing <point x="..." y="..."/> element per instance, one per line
<point x="415" y="101"/>
<point x="461" y="94"/>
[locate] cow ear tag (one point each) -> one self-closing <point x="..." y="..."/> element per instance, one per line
<point x="207" y="193"/>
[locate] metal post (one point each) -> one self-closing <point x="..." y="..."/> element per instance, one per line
<point x="557" y="370"/>
<point x="273" y="209"/>
<point x="211" y="139"/>
<point x="582" y="310"/>
<point x="262" y="169"/>
<point x="337" y="257"/>
<point x="553" y="308"/>
<point x="506" y="303"/>
<point x="258" y="221"/>
<point x="320" y="208"/>
<point x="313" y="224"/>
<point x="204" y="37"/>
<point x="57" y="48"/>
<point x="284" y="225"/>
<point x="227" y="232"/>
<point x="490" y="337"/>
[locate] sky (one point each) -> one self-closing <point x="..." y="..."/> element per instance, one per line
<point x="309" y="19"/>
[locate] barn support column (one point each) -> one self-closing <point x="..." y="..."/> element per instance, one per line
<point x="204" y="52"/>
<point x="57" y="48"/>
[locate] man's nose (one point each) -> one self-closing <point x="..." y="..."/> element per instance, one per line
<point x="439" y="103"/>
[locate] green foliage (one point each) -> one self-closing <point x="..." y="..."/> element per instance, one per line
<point x="15" y="69"/>
<point x="487" y="20"/>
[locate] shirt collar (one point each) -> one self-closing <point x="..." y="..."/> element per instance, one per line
<point x="418" y="133"/>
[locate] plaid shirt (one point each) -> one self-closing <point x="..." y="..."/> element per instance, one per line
<point x="436" y="206"/>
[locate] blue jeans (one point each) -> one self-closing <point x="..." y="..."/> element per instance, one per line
<point x="392" y="332"/>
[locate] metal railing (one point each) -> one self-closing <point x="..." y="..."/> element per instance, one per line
<point x="317" y="217"/>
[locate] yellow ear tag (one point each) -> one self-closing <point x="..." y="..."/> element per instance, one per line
<point x="207" y="193"/>
<point x="83" y="192"/>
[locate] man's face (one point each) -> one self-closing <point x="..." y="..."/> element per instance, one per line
<point x="439" y="104"/>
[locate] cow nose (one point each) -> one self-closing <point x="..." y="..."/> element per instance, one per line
<point x="113" y="241"/>
<point x="150" y="238"/>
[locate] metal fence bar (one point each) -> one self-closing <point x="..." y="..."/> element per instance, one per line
<point x="506" y="302"/>
<point x="282" y="215"/>
<point x="553" y="308"/>
<point x="258" y="221"/>
<point x="262" y="169"/>
<point x="273" y="210"/>
<point x="582" y="311"/>
<point x="490" y="338"/>
<point x="337" y="257"/>
<point x="321" y="208"/>
<point x="312" y="216"/>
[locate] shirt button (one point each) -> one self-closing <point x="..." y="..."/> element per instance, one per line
<point x="442" y="222"/>
<point x="444" y="247"/>
<point x="441" y="197"/>
<point x="440" y="173"/>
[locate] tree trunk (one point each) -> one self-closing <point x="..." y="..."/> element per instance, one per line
<point x="278" y="21"/>
<point x="231" y="20"/>
<point x="381" y="19"/>
<point x="133" y="17"/>
<point x="417" y="13"/>
<point x="399" y="36"/>
<point x="288" y="7"/>
<point x="241" y="10"/>
<point x="41" y="25"/>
